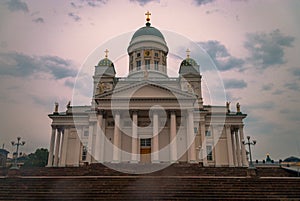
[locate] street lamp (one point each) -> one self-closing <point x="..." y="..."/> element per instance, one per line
<point x="17" y="144"/>
<point x="249" y="143"/>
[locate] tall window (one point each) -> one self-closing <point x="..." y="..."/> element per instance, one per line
<point x="146" y="142"/>
<point x="86" y="133"/>
<point x="147" y="64"/>
<point x="155" y="65"/>
<point x="207" y="133"/>
<point x="138" y="65"/>
<point x="209" y="153"/>
<point x="84" y="153"/>
<point x="156" y="54"/>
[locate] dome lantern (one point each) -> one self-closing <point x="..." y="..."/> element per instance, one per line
<point x="148" y="51"/>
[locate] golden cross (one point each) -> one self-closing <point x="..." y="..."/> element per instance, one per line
<point x="148" y="15"/>
<point x="188" y="53"/>
<point x="106" y="53"/>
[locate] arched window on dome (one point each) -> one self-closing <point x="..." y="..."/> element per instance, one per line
<point x="138" y="65"/>
<point x="147" y="64"/>
<point x="156" y="65"/>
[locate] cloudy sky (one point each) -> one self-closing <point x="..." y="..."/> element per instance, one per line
<point x="254" y="44"/>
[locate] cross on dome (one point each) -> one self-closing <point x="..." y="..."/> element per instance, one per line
<point x="106" y="53"/>
<point x="148" y="16"/>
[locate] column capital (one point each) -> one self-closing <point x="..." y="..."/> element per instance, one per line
<point x="134" y="112"/>
<point x="100" y="112"/>
<point x="53" y="126"/>
<point x="227" y="126"/>
<point x="190" y="110"/>
<point x="172" y="112"/>
<point x="116" y="111"/>
<point x="61" y="129"/>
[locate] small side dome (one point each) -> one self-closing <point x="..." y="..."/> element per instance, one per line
<point x="189" y="62"/>
<point x="105" y="66"/>
<point x="106" y="62"/>
<point x="189" y="65"/>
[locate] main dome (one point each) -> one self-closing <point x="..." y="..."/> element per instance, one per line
<point x="147" y="30"/>
<point x="147" y="37"/>
<point x="105" y="62"/>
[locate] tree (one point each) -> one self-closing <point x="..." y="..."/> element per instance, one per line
<point x="37" y="159"/>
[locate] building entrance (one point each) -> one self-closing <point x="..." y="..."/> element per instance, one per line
<point x="145" y="151"/>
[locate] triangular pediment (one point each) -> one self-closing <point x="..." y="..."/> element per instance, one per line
<point x="146" y="90"/>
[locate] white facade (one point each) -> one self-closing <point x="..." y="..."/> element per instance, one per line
<point x="147" y="117"/>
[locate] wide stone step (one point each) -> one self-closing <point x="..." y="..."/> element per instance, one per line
<point x="148" y="188"/>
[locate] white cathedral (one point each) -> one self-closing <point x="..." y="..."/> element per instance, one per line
<point x="147" y="117"/>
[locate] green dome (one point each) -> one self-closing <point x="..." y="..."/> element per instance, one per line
<point x="106" y="62"/>
<point x="148" y="30"/>
<point x="189" y="62"/>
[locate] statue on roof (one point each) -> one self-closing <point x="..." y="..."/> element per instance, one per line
<point x="238" y="107"/>
<point x="103" y="87"/>
<point x="228" y="106"/>
<point x="69" y="104"/>
<point x="56" y="107"/>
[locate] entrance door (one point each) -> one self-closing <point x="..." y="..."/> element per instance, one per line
<point x="145" y="151"/>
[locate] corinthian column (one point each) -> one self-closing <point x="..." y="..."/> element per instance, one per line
<point x="238" y="148"/>
<point x="173" y="141"/>
<point x="191" y="137"/>
<point x="134" y="141"/>
<point x="229" y="146"/>
<point x="64" y="147"/>
<point x="203" y="144"/>
<point x="244" y="157"/>
<point x="99" y="133"/>
<point x="155" y="157"/>
<point x="116" y="157"/>
<point x="51" y="149"/>
<point x="57" y="146"/>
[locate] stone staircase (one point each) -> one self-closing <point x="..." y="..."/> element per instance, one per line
<point x="172" y="170"/>
<point x="177" y="182"/>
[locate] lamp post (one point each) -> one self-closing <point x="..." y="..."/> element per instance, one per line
<point x="17" y="144"/>
<point x="249" y="145"/>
